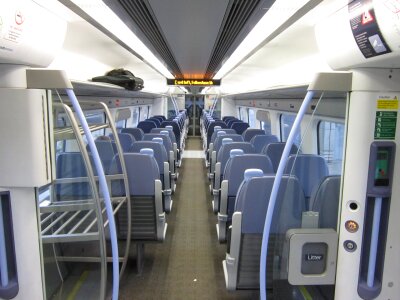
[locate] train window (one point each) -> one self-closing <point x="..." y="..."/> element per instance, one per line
<point x="121" y="124"/>
<point x="244" y="116"/>
<point x="265" y="120"/>
<point x="286" y="123"/>
<point x="266" y="126"/>
<point x="135" y="116"/>
<point x="252" y="118"/>
<point x="330" y="144"/>
<point x="96" y="118"/>
<point x="144" y="113"/>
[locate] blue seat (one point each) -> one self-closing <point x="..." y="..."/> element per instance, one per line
<point x="310" y="169"/>
<point x="231" y="121"/>
<point x="161" y="157"/>
<point x="106" y="153"/>
<point x="126" y="140"/>
<point x="242" y="263"/>
<point x="146" y="126"/>
<point x="227" y="118"/>
<point x="137" y="133"/>
<point x="72" y="165"/>
<point x="274" y="152"/>
<point x="222" y="159"/>
<point x="260" y="141"/>
<point x="218" y="144"/>
<point x="160" y="117"/>
<point x="325" y="201"/>
<point x="210" y="130"/>
<point x="148" y="220"/>
<point x="156" y="120"/>
<point x="240" y="127"/>
<point x="227" y="131"/>
<point x="249" y="133"/>
<point x="232" y="178"/>
<point x="164" y="135"/>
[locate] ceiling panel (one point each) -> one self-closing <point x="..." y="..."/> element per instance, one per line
<point x="190" y="28"/>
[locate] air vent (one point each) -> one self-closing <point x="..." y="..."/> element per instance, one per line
<point x="142" y="14"/>
<point x="235" y="19"/>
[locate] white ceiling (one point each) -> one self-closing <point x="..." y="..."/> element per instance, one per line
<point x="191" y="28"/>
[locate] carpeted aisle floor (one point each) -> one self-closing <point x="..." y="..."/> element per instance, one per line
<point x="188" y="265"/>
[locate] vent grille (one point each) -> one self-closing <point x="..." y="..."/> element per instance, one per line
<point x="142" y="14"/>
<point x="235" y="19"/>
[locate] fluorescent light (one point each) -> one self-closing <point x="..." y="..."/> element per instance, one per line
<point x="102" y="14"/>
<point x="275" y="17"/>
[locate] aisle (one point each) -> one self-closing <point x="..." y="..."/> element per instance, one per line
<point x="188" y="265"/>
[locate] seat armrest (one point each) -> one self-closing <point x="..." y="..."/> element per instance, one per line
<point x="160" y="214"/>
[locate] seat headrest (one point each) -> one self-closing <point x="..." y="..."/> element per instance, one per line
<point x="251" y="173"/>
<point x="235" y="152"/>
<point x="164" y="132"/>
<point x="226" y="141"/>
<point x="158" y="140"/>
<point x="169" y="127"/>
<point x="220" y="133"/>
<point x="147" y="151"/>
<point x="217" y="127"/>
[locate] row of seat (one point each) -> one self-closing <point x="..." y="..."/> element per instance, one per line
<point x="242" y="180"/>
<point x="151" y="161"/>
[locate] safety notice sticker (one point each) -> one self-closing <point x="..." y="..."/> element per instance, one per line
<point x="385" y="125"/>
<point x="391" y="104"/>
<point x="365" y="29"/>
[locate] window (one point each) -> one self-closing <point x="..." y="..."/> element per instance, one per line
<point x="330" y="144"/>
<point x="286" y="124"/>
<point x="266" y="126"/>
<point x="244" y="116"/>
<point x="135" y="116"/>
<point x="252" y="118"/>
<point x="121" y="124"/>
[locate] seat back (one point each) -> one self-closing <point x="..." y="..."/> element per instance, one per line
<point x="237" y="165"/>
<point x="218" y="141"/>
<point x="137" y="133"/>
<point x="274" y="152"/>
<point x="260" y="141"/>
<point x="224" y="152"/>
<point x="106" y="153"/>
<point x="215" y="133"/>
<point x="325" y="201"/>
<point x="166" y="140"/>
<point x="170" y="133"/>
<point x="310" y="169"/>
<point x="142" y="171"/>
<point x="72" y="165"/>
<point x="210" y="129"/>
<point x="249" y="133"/>
<point x="240" y="127"/>
<point x="175" y="129"/>
<point x="231" y="121"/>
<point x="146" y="126"/>
<point x="227" y="118"/>
<point x="160" y="154"/>
<point x="234" y="174"/>
<point x="252" y="201"/>
<point x="126" y="140"/>
<point x="155" y="120"/>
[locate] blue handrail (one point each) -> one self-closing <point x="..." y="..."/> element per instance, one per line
<point x="104" y="189"/>
<point x="275" y="189"/>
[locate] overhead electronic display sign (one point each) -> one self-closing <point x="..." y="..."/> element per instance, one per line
<point x="194" y="82"/>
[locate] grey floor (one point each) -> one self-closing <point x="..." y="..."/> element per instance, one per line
<point x="188" y="265"/>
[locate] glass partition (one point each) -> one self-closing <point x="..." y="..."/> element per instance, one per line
<point x="308" y="203"/>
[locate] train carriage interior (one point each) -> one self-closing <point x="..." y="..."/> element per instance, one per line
<point x="170" y="149"/>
